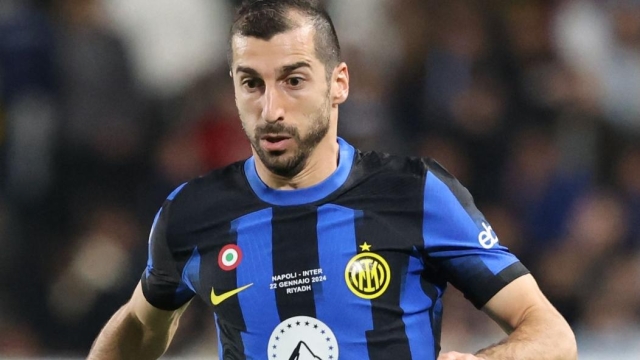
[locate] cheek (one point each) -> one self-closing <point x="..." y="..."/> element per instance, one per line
<point x="247" y="124"/>
<point x="247" y="112"/>
<point x="308" y="104"/>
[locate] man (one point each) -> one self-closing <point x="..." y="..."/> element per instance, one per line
<point x="311" y="249"/>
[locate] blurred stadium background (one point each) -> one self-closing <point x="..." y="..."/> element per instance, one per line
<point x="107" y="105"/>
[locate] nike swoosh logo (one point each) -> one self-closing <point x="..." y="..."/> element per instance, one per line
<point x="217" y="299"/>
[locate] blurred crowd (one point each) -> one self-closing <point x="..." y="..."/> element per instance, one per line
<point x="107" y="105"/>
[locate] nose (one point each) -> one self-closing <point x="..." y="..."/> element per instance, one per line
<point x="272" y="107"/>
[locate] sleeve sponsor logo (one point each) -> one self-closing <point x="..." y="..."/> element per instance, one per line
<point x="487" y="238"/>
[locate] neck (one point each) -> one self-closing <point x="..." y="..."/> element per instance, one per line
<point x="322" y="162"/>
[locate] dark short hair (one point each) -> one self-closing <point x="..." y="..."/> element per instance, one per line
<point x="263" y="19"/>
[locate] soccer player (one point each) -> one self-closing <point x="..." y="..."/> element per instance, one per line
<point x="311" y="249"/>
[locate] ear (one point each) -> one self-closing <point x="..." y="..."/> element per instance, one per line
<point x="340" y="84"/>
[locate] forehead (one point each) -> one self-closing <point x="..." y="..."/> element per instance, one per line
<point x="289" y="47"/>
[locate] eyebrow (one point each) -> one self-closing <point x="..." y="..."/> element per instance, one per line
<point x="247" y="70"/>
<point x="283" y="70"/>
<point x="290" y="68"/>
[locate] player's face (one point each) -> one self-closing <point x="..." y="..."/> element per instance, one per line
<point x="282" y="96"/>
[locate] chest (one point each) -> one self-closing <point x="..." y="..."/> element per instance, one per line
<point x="296" y="259"/>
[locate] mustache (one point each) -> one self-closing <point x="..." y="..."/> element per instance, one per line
<point x="276" y="128"/>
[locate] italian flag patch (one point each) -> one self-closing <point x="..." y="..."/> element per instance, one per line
<point x="229" y="257"/>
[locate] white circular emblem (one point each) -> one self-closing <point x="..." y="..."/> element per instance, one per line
<point x="303" y="338"/>
<point x="229" y="257"/>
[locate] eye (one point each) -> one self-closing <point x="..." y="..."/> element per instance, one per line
<point x="295" y="81"/>
<point x="251" y="83"/>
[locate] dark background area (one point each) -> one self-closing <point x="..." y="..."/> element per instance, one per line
<point x="107" y="106"/>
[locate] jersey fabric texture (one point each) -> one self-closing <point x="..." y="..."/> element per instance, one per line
<point x="354" y="267"/>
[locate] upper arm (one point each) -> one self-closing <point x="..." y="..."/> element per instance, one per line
<point x="150" y="316"/>
<point x="536" y="329"/>
<point x="165" y="283"/>
<point x="511" y="305"/>
<point x="460" y="242"/>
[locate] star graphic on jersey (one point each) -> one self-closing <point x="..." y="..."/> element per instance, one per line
<point x="365" y="247"/>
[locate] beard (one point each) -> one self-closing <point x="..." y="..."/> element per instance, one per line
<point x="281" y="162"/>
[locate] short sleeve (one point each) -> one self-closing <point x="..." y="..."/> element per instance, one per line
<point x="162" y="282"/>
<point x="461" y="243"/>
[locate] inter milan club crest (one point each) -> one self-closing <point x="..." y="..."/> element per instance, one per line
<point x="367" y="274"/>
<point x="229" y="257"/>
<point x="303" y="338"/>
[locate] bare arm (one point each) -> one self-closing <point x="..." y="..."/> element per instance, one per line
<point x="536" y="330"/>
<point x="136" y="331"/>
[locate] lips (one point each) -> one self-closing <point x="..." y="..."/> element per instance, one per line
<point x="275" y="142"/>
<point x="274" y="138"/>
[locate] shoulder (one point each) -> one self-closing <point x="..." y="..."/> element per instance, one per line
<point x="402" y="166"/>
<point x="217" y="186"/>
<point x="402" y="176"/>
<point x="211" y="199"/>
<point x="390" y="176"/>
